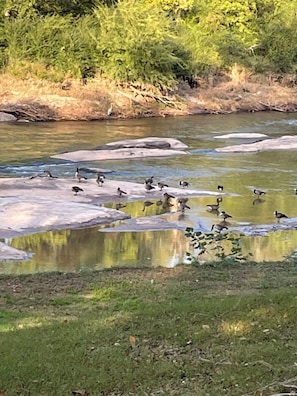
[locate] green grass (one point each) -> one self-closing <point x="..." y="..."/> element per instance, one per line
<point x="209" y="330"/>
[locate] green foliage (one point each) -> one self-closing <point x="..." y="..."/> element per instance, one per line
<point x="224" y="246"/>
<point x="136" y="43"/>
<point x="52" y="7"/>
<point x="154" y="41"/>
<point x="53" y="42"/>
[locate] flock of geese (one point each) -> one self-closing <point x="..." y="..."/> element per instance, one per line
<point x="167" y="201"/>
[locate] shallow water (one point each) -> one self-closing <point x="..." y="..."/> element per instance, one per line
<point x="26" y="149"/>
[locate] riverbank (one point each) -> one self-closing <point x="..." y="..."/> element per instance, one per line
<point x="40" y="100"/>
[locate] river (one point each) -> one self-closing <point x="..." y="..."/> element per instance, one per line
<point x="26" y="148"/>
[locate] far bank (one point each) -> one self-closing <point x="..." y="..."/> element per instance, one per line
<point x="39" y="100"/>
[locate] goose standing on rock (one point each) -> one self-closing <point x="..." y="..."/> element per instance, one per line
<point x="184" y="184"/>
<point x="79" y="176"/>
<point x="120" y="192"/>
<point x="100" y="179"/>
<point x="148" y="186"/>
<point x="76" y="189"/>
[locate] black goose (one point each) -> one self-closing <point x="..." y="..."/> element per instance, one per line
<point x="120" y="192"/>
<point x="79" y="176"/>
<point x="218" y="227"/>
<point x="224" y="215"/>
<point x="100" y="179"/>
<point x="162" y="185"/>
<point x="48" y="174"/>
<point x="148" y="186"/>
<point x="76" y="189"/>
<point x="220" y="188"/>
<point x="279" y="215"/>
<point x="184" y="183"/>
<point x="182" y="203"/>
<point x="150" y="180"/>
<point x="259" y="192"/>
<point x="214" y="207"/>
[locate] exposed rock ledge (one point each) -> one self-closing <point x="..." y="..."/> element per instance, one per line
<point x="282" y="143"/>
<point x="132" y="148"/>
<point x="28" y="206"/>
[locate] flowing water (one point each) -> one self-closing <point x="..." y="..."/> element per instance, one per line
<point x="26" y="150"/>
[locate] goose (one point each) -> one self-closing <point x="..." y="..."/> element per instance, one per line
<point x="182" y="203"/>
<point x="184" y="183"/>
<point x="149" y="180"/>
<point x="259" y="192"/>
<point x="220" y="188"/>
<point x="148" y="186"/>
<point x="214" y="207"/>
<point x="120" y="192"/>
<point x="279" y="215"/>
<point x="218" y="227"/>
<point x="79" y="176"/>
<point x="224" y="215"/>
<point x="100" y="179"/>
<point x="162" y="185"/>
<point x="76" y="189"/>
<point x="48" y="174"/>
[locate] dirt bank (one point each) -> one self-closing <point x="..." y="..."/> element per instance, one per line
<point x="36" y="100"/>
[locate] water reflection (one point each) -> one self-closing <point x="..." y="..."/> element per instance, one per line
<point x="73" y="250"/>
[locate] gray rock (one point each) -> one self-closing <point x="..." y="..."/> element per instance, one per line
<point x="241" y="136"/>
<point x="282" y="143"/>
<point x="6" y="117"/>
<point x="134" y="148"/>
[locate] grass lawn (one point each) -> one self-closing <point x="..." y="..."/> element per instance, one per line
<point x="210" y="330"/>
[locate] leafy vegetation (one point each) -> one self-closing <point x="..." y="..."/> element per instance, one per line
<point x="153" y="41"/>
<point x="213" y="329"/>
<point x="223" y="246"/>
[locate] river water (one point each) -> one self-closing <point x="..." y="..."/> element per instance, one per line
<point x="26" y="149"/>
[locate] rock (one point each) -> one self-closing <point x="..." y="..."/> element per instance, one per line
<point x="29" y="205"/>
<point x="241" y="136"/>
<point x="282" y="143"/>
<point x="152" y="223"/>
<point x="6" y="117"/>
<point x="134" y="148"/>
<point x="8" y="253"/>
<point x="150" y="143"/>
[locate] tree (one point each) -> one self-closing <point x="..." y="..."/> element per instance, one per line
<point x="136" y="43"/>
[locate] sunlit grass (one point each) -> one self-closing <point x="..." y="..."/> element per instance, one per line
<point x="192" y="331"/>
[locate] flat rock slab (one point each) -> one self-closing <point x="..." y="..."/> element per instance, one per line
<point x="241" y="136"/>
<point x="282" y="143"/>
<point x="42" y="204"/>
<point x="133" y="148"/>
<point x="149" y="143"/>
<point x="264" y="229"/>
<point x="152" y="223"/>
